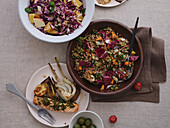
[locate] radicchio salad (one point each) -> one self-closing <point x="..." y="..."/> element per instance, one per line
<point x="100" y="58"/>
<point x="56" y="17"/>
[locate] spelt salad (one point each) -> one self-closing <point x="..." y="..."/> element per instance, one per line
<point x="100" y="58"/>
<point x="56" y="17"/>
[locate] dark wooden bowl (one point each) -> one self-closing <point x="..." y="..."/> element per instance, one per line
<point x="126" y="33"/>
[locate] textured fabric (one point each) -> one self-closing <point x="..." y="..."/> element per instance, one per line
<point x="153" y="71"/>
<point x="21" y="55"/>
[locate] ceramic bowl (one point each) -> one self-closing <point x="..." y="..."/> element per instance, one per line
<point x="96" y="120"/>
<point x="88" y="4"/>
<point x="126" y="32"/>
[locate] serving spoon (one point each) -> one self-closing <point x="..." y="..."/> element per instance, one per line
<point x="130" y="71"/>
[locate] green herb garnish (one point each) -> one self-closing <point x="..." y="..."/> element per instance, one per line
<point x="52" y="3"/>
<point x="83" y="10"/>
<point x="27" y="10"/>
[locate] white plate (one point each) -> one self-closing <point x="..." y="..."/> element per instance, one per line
<point x="112" y="3"/>
<point x="62" y="119"/>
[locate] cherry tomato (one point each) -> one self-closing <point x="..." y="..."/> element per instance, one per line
<point x="113" y="118"/>
<point x="137" y="86"/>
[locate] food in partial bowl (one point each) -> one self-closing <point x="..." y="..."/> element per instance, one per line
<point x="86" y="119"/>
<point x="97" y="61"/>
<point x="56" y="21"/>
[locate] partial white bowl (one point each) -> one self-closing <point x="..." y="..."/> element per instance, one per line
<point x="96" y="120"/>
<point x="88" y="4"/>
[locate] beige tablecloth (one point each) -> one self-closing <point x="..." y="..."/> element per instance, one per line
<point x="21" y="55"/>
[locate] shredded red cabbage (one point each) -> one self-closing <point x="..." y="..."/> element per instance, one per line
<point x="62" y="15"/>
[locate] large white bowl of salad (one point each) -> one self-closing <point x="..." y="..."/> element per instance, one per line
<point x="56" y="21"/>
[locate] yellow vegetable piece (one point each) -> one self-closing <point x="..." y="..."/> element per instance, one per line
<point x="48" y="27"/>
<point x="31" y="17"/>
<point x="53" y="31"/>
<point x="133" y="52"/>
<point x="76" y="3"/>
<point x="79" y="16"/>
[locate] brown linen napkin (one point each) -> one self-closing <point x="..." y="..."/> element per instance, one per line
<point x="153" y="71"/>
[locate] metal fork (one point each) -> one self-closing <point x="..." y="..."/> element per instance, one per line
<point x="41" y="112"/>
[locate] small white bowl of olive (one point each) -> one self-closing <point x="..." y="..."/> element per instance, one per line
<point x="86" y="119"/>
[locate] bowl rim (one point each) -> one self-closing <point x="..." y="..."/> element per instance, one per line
<point x="87" y="111"/>
<point x="55" y="39"/>
<point x="113" y="92"/>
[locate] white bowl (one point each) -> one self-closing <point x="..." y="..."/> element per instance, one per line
<point x="88" y="4"/>
<point x="96" y="120"/>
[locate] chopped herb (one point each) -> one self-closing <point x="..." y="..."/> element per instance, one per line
<point x="83" y="10"/>
<point x="52" y="3"/>
<point x="27" y="10"/>
<point x="45" y="101"/>
<point x="52" y="10"/>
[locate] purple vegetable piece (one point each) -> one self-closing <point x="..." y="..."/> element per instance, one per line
<point x="85" y="64"/>
<point x="88" y="44"/>
<point x="100" y="52"/>
<point x="133" y="58"/>
<point x="119" y="72"/>
<point x="107" y="80"/>
<point x="100" y="82"/>
<point x="110" y="73"/>
<point x="103" y="33"/>
<point x="112" y="44"/>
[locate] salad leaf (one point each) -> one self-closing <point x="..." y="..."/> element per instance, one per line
<point x="27" y="10"/>
<point x="83" y="10"/>
<point x="100" y="52"/>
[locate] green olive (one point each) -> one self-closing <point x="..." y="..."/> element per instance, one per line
<point x="83" y="126"/>
<point x="77" y="126"/>
<point x="88" y="122"/>
<point x="92" y="126"/>
<point x="81" y="120"/>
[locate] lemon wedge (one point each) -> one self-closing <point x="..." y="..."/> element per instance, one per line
<point x="38" y="22"/>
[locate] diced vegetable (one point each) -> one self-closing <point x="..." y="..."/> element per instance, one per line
<point x="49" y="86"/>
<point x="40" y="90"/>
<point x="66" y="89"/>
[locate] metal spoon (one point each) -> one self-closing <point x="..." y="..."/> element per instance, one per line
<point x="130" y="71"/>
